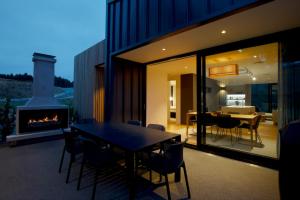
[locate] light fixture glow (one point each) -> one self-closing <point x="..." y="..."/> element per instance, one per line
<point x="163" y="49"/>
<point x="223" y="32"/>
<point x="254" y="78"/>
<point x="240" y="50"/>
<point x="255" y="56"/>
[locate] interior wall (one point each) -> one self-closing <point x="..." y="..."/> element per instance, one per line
<point x="157" y="96"/>
<point x="178" y="97"/>
<point x="241" y="89"/>
<point x="214" y="98"/>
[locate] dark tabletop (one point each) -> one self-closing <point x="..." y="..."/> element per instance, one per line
<point x="128" y="137"/>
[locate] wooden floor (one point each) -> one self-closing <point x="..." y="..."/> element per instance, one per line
<point x="267" y="131"/>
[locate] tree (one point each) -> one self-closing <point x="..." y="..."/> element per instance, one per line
<point x="7" y="119"/>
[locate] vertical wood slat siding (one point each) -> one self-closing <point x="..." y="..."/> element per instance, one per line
<point x="85" y="79"/>
<point x="128" y="89"/>
<point x="136" y="21"/>
<point x="98" y="111"/>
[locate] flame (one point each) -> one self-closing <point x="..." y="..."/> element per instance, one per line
<point x="46" y="119"/>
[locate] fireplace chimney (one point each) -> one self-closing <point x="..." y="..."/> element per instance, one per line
<point x="43" y="81"/>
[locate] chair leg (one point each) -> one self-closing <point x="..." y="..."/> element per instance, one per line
<point x="186" y="181"/>
<point x="62" y="159"/>
<point x="80" y="173"/>
<point x="69" y="169"/>
<point x="95" y="184"/>
<point x="168" y="187"/>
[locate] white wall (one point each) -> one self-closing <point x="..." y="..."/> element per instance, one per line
<point x="157" y="96"/>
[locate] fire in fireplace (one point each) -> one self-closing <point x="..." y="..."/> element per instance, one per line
<point x="42" y="119"/>
<point x="42" y="122"/>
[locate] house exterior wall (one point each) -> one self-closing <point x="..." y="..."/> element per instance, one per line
<point x="133" y="23"/>
<point x="85" y="72"/>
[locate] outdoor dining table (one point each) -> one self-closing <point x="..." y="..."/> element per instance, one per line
<point x="132" y="139"/>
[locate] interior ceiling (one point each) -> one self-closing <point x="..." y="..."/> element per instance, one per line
<point x="268" y="18"/>
<point x="260" y="61"/>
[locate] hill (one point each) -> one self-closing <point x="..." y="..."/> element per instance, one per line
<point x="18" y="89"/>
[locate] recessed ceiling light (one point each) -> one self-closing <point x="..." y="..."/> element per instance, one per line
<point x="255" y="56"/>
<point x="253" y="78"/>
<point x="223" y="32"/>
<point x="240" y="50"/>
<point x="163" y="49"/>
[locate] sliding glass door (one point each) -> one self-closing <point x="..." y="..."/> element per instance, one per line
<point x="240" y="96"/>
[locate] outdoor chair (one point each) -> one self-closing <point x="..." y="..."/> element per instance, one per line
<point x="98" y="157"/>
<point x="73" y="145"/>
<point x="255" y="126"/>
<point x="134" y="122"/>
<point x="225" y="123"/>
<point x="170" y="161"/>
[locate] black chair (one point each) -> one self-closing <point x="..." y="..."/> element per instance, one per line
<point x="134" y="122"/>
<point x="225" y="122"/>
<point x="289" y="165"/>
<point x="170" y="161"/>
<point x="73" y="145"/>
<point x="193" y="120"/>
<point x="97" y="156"/>
<point x="207" y="119"/>
<point x="255" y="126"/>
<point x="157" y="127"/>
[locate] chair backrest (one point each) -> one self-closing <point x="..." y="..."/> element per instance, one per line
<point x="173" y="154"/>
<point x="94" y="153"/>
<point x="134" y="122"/>
<point x="225" y="121"/>
<point x="157" y="127"/>
<point x="70" y="138"/>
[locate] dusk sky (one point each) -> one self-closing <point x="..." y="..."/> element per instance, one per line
<point x="62" y="28"/>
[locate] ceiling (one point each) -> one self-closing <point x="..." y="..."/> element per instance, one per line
<point x="260" y="61"/>
<point x="268" y="18"/>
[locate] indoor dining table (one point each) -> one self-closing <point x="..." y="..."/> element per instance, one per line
<point x="132" y="139"/>
<point x="244" y="117"/>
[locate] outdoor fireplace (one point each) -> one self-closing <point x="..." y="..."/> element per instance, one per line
<point x="42" y="113"/>
<point x="42" y="119"/>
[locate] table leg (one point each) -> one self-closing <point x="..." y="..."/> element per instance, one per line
<point x="131" y="174"/>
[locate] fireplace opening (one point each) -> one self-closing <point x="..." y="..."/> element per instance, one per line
<point x="42" y="119"/>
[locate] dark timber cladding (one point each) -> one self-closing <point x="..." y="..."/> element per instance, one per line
<point x="132" y="23"/>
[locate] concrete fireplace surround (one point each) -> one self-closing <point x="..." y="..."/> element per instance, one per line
<point x="43" y="95"/>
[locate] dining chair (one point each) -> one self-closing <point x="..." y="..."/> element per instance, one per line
<point x="193" y="120"/>
<point x="254" y="127"/>
<point x="170" y="161"/>
<point x="134" y="122"/>
<point x="73" y="146"/>
<point x="97" y="156"/>
<point x="207" y="119"/>
<point x="225" y="123"/>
